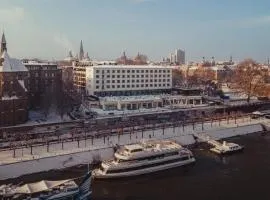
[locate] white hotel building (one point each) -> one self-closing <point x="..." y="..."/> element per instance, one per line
<point x="119" y="80"/>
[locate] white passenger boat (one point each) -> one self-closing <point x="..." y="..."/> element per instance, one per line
<point x="143" y="158"/>
<point x="227" y="148"/>
<point x="49" y="190"/>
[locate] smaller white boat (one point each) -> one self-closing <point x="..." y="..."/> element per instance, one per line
<point x="227" y="148"/>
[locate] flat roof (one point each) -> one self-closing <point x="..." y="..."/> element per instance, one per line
<point x="132" y="66"/>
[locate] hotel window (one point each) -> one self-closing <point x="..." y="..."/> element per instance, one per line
<point x="164" y="80"/>
<point x="118" y="71"/>
<point x="155" y="85"/>
<point x="133" y="86"/>
<point x="159" y="85"/>
<point x="146" y="71"/>
<point x="108" y="86"/>
<point x="168" y="75"/>
<point x="118" y="76"/>
<point x="168" y="85"/>
<point x="142" y="71"/>
<point x="123" y="86"/>
<point x="128" y="81"/>
<point x="155" y="71"/>
<point x="159" y="71"/>
<point x="164" y="75"/>
<point x="137" y="81"/>
<point x="123" y="71"/>
<point x="108" y="71"/>
<point x="151" y="85"/>
<point x="159" y="75"/>
<point x="133" y="76"/>
<point x="128" y="86"/>
<point x="138" y="71"/>
<point x="97" y="71"/>
<point x="146" y="85"/>
<point x="164" y="85"/>
<point x="138" y="76"/>
<point x="151" y="71"/>
<point x="123" y="81"/>
<point x="128" y="76"/>
<point x="97" y="87"/>
<point x="164" y="71"/>
<point x="113" y="71"/>
<point x="151" y="80"/>
<point x="142" y="85"/>
<point x="146" y="80"/>
<point x="155" y="80"/>
<point x="113" y="86"/>
<point x="142" y="76"/>
<point x="168" y="80"/>
<point x="108" y="76"/>
<point x="128" y="71"/>
<point x="142" y="81"/>
<point x="123" y="76"/>
<point x="97" y="81"/>
<point x="113" y="76"/>
<point x="118" y="81"/>
<point x="137" y="85"/>
<point x="133" y="81"/>
<point x="168" y="71"/>
<point x="133" y="71"/>
<point x="108" y="81"/>
<point x="146" y="76"/>
<point x="97" y="76"/>
<point x="118" y="86"/>
<point x="113" y="81"/>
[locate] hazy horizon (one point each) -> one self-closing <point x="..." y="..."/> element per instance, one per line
<point x="48" y="29"/>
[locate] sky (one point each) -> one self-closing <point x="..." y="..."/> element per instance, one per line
<point x="48" y="29"/>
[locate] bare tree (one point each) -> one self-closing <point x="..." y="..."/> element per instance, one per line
<point x="249" y="78"/>
<point x="177" y="77"/>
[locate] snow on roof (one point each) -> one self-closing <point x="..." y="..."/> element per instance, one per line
<point x="9" y="98"/>
<point x="11" y="64"/>
<point x="132" y="66"/>
<point x="132" y="147"/>
<point x="22" y="84"/>
<point x="42" y="186"/>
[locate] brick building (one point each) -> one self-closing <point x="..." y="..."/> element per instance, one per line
<point x="44" y="80"/>
<point x="13" y="92"/>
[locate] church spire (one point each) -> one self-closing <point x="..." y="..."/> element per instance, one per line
<point x="81" y="54"/>
<point x="3" y="43"/>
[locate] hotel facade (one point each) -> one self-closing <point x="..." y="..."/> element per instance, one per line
<point x="123" y="80"/>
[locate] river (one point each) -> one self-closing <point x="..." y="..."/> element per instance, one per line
<point x="243" y="175"/>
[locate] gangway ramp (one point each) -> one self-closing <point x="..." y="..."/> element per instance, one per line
<point x="206" y="138"/>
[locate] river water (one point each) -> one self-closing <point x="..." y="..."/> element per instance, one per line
<point x="243" y="175"/>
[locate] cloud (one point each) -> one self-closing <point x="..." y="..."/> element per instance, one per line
<point x="11" y="15"/>
<point x="63" y="41"/>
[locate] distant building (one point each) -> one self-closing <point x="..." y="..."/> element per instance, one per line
<point x="13" y="89"/>
<point x="180" y="57"/>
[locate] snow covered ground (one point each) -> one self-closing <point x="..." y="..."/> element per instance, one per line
<point x="74" y="153"/>
<point x="37" y="117"/>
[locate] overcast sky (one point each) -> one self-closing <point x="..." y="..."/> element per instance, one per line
<point x="50" y="28"/>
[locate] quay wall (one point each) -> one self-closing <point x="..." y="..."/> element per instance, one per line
<point x="102" y="148"/>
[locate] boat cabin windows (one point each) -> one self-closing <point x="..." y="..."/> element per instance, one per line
<point x="135" y="150"/>
<point x="148" y="165"/>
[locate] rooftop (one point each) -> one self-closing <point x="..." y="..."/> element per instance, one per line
<point x="132" y="147"/>
<point x="132" y="66"/>
<point x="11" y="64"/>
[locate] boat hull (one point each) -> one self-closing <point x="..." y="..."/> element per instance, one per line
<point x="214" y="150"/>
<point x="150" y="170"/>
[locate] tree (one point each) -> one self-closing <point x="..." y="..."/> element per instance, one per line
<point x="177" y="77"/>
<point x="249" y="77"/>
<point x="204" y="74"/>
